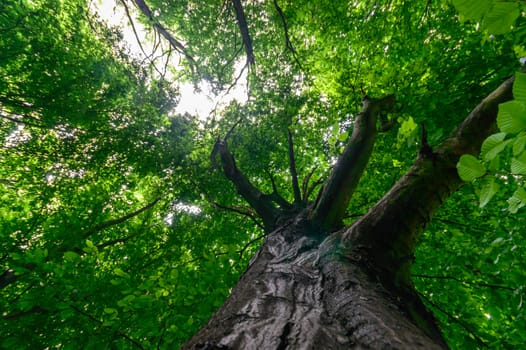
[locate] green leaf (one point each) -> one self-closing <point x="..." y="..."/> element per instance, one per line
<point x="109" y="310"/>
<point x="501" y="17"/>
<point x="517" y="201"/>
<point x="511" y="118"/>
<point x="493" y="145"/>
<point x="119" y="272"/>
<point x="71" y="256"/>
<point x="494" y="164"/>
<point x="470" y="168"/>
<point x="487" y="191"/>
<point x="519" y="87"/>
<point x="519" y="144"/>
<point x="472" y="9"/>
<point x="497" y="241"/>
<point x="518" y="165"/>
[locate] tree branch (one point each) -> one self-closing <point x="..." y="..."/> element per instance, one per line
<point x="7" y="277"/>
<point x="177" y="45"/>
<point x="243" y="27"/>
<point x="120" y="220"/>
<point x="388" y="233"/>
<point x="275" y="196"/>
<point x="288" y="43"/>
<point x="293" y="171"/>
<point x="146" y="56"/>
<point x="455" y="320"/>
<point x="306" y="190"/>
<point x="343" y="180"/>
<point x="245" y="211"/>
<point x="257" y="200"/>
<point x="475" y="284"/>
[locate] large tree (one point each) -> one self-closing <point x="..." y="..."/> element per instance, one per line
<point x="317" y="207"/>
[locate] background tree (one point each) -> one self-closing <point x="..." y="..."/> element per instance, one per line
<point x="118" y="228"/>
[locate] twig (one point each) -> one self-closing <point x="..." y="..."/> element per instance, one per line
<point x="121" y="334"/>
<point x="288" y="43"/>
<point x="477" y="284"/>
<point x="120" y="220"/>
<point x="455" y="320"/>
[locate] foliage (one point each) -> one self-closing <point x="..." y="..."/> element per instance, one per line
<point x="117" y="230"/>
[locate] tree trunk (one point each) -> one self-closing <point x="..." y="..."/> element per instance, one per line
<point x="313" y="285"/>
<point x="302" y="292"/>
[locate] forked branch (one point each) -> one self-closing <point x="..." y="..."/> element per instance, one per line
<point x="176" y="44"/>
<point x="389" y="231"/>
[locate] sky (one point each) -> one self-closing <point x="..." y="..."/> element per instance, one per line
<point x="200" y="104"/>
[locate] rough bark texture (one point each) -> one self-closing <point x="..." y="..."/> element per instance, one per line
<point x="300" y="292"/>
<point x="311" y="286"/>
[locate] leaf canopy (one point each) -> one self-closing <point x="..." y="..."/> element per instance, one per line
<point x="116" y="228"/>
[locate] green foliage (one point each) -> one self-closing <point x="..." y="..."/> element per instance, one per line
<point x="469" y="168"/>
<point x="89" y="139"/>
<point x="502" y="151"/>
<point x="497" y="16"/>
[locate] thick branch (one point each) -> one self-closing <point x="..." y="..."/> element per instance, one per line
<point x="178" y="46"/>
<point x="243" y="27"/>
<point x="389" y="231"/>
<point x="293" y="171"/>
<point x="336" y="194"/>
<point x="261" y="203"/>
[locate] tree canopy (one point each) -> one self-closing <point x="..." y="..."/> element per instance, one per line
<point x="120" y="223"/>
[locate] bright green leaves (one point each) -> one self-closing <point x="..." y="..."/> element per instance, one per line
<point x="488" y="189"/>
<point x="497" y="16"/>
<point x="470" y="168"/>
<point x="492" y="146"/>
<point x="501" y="17"/>
<point x="517" y="201"/>
<point x="511" y="120"/>
<point x="407" y="132"/>
<point x="518" y="164"/>
<point x="519" y="87"/>
<point x="512" y="116"/>
<point x="473" y="9"/>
